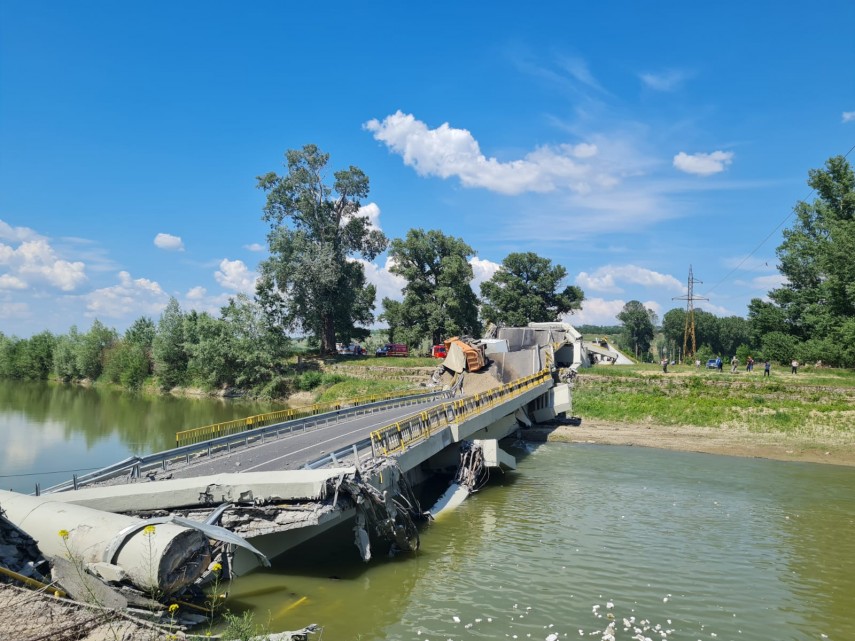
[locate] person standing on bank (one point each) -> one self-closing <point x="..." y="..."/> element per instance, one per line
<point x="795" y="366"/>
<point x="767" y="366"/>
<point x="734" y="363"/>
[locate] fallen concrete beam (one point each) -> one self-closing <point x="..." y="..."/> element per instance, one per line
<point x="248" y="487"/>
<point x="166" y="557"/>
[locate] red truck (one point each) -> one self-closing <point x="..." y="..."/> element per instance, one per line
<point x="393" y="349"/>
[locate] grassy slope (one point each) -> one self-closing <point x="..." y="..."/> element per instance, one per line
<point x="813" y="402"/>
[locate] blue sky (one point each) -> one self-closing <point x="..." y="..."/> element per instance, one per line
<point x="624" y="141"/>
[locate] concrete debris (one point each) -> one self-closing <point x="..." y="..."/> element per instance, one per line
<point x="19" y="552"/>
<point x="82" y="586"/>
<point x="295" y="635"/>
<point x="471" y="471"/>
<point x="167" y="557"/>
<point x="389" y="513"/>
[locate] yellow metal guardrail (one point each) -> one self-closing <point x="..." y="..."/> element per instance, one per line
<point x="396" y="436"/>
<point x="207" y="432"/>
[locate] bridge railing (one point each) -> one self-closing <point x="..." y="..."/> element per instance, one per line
<point x="397" y="436"/>
<point x="227" y="428"/>
<point x="137" y="466"/>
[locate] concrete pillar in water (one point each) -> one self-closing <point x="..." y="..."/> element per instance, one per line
<point x="166" y="559"/>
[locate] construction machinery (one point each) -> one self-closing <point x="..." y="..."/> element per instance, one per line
<point x="464" y="354"/>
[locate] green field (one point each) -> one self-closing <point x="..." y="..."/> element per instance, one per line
<point x="812" y="402"/>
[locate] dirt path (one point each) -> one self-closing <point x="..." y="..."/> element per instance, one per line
<point x="731" y="442"/>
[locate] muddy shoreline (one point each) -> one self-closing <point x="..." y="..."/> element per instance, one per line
<point x="726" y="441"/>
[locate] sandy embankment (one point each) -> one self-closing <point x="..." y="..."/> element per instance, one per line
<point x="728" y="441"/>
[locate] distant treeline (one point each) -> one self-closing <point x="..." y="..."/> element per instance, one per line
<point x="325" y="295"/>
<point x="238" y="349"/>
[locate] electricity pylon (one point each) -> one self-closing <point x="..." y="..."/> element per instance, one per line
<point x="689" y="330"/>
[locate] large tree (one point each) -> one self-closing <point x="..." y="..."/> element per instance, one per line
<point x="438" y="297"/>
<point x="816" y="255"/>
<point x="311" y="281"/>
<point x="525" y="290"/>
<point x="638" y="327"/>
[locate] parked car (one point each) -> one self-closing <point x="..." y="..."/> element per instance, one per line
<point x="711" y="364"/>
<point x="354" y="349"/>
<point x="393" y="349"/>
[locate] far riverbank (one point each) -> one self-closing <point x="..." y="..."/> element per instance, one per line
<point x="805" y="417"/>
<point x="686" y="438"/>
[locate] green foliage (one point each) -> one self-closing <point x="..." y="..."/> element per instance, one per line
<point x="126" y="364"/>
<point x="64" y="360"/>
<point x="308" y="381"/>
<point x="598" y="330"/>
<point x="438" y="298"/>
<point x="525" y="289"/>
<point x="818" y="297"/>
<point x="638" y="328"/>
<point x="309" y="282"/>
<point x="779" y="347"/>
<point x="168" y="349"/>
<point x="27" y="359"/>
<point x="240" y="627"/>
<point x="142" y="333"/>
<point x="90" y="348"/>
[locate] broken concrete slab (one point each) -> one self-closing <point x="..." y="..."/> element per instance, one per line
<point x="82" y="586"/>
<point x="247" y="487"/>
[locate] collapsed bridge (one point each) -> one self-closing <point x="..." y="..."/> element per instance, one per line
<point x="250" y="492"/>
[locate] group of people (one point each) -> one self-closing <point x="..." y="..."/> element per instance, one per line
<point x="734" y="365"/>
<point x="749" y="365"/>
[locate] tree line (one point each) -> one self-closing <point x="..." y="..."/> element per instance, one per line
<point x="313" y="285"/>
<point x="809" y="318"/>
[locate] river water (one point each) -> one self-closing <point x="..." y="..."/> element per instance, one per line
<point x="50" y="431"/>
<point x="705" y="547"/>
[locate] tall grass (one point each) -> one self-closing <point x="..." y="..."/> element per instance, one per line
<point x="822" y="401"/>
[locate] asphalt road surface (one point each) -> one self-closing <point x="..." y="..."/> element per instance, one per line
<point x="293" y="450"/>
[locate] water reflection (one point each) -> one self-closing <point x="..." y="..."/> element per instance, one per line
<point x="46" y="427"/>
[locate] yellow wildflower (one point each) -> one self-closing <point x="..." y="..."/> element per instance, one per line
<point x="216" y="567"/>
<point x="148" y="530"/>
<point x="173" y="608"/>
<point x="63" y="534"/>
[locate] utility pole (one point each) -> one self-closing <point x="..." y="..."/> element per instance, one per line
<point x="689" y="329"/>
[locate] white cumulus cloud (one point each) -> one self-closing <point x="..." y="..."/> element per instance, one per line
<point x="848" y="116"/>
<point x="7" y="281"/>
<point x="254" y="247"/>
<point x="131" y="297"/>
<point x="196" y="293"/>
<point x="35" y="261"/>
<point x="482" y="269"/>
<point x="447" y="151"/>
<point x="388" y="285"/>
<point x="703" y="164"/>
<point x="236" y="276"/>
<point x="169" y="242"/>
<point x="596" y="311"/>
<point x="606" y="279"/>
<point x="17" y="234"/>
<point x="372" y="212"/>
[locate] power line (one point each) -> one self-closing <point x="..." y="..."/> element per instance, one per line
<point x="689" y="329"/>
<point x="772" y="233"/>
